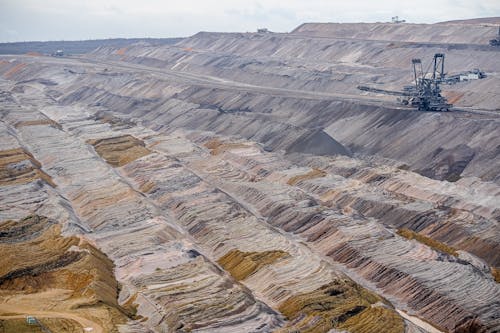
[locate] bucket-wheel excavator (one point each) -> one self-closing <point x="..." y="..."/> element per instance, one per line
<point x="425" y="94"/>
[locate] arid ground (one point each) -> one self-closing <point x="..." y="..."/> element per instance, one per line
<point x="240" y="182"/>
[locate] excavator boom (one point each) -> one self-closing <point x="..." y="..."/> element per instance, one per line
<point x="383" y="91"/>
<point x="425" y="95"/>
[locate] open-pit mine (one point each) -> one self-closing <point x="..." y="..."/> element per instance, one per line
<point x="241" y="182"/>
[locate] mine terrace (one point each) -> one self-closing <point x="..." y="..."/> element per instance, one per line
<point x="242" y="182"/>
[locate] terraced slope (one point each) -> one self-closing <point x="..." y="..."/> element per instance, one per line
<point x="331" y="67"/>
<point x="205" y="197"/>
<point x="430" y="33"/>
<point x="334" y="58"/>
<point x="65" y="282"/>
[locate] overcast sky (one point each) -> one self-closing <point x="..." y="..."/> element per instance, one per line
<point x="23" y="20"/>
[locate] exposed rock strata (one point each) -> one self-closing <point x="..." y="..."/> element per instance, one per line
<point x="199" y="190"/>
<point x="43" y="272"/>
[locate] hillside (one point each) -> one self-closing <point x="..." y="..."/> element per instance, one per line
<point x="240" y="182"/>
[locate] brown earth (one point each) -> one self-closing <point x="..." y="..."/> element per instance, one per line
<point x="340" y="304"/>
<point x="120" y="150"/>
<point x="34" y="54"/>
<point x="121" y="51"/>
<point x="496" y="273"/>
<point x="218" y="147"/>
<point x="37" y="122"/>
<point x="14" y="70"/>
<point x="228" y="120"/>
<point x="17" y="166"/>
<point x="409" y="234"/>
<point x="242" y="264"/>
<point x="19" y="325"/>
<point x="315" y="173"/>
<point x="42" y="272"/>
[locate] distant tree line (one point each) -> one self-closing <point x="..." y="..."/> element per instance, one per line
<point x="77" y="47"/>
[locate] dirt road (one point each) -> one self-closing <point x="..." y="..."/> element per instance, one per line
<point x="89" y="325"/>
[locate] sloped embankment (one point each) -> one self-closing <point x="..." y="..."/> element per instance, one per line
<point x="17" y="166"/>
<point x="241" y="264"/>
<point x="119" y="150"/>
<point x="422" y="275"/>
<point x="432" y="33"/>
<point x="285" y="274"/>
<point x="343" y="305"/>
<point x="65" y="282"/>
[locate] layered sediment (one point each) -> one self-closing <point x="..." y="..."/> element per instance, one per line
<point x="65" y="282"/>
<point x="239" y="183"/>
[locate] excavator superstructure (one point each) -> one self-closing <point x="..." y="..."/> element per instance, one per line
<point x="425" y="93"/>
